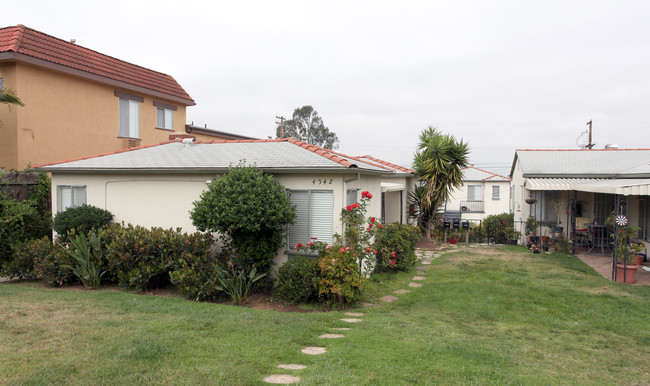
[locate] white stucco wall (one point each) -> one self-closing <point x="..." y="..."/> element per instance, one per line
<point x="491" y="206"/>
<point x="165" y="200"/>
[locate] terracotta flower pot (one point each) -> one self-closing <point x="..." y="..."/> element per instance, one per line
<point x="637" y="259"/>
<point x="630" y="273"/>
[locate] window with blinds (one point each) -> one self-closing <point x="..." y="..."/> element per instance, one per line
<point x="129" y="118"/>
<point x="314" y="217"/>
<point x="474" y="193"/>
<point x="70" y="197"/>
<point x="164" y="118"/>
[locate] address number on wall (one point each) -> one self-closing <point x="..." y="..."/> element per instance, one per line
<point x="322" y="181"/>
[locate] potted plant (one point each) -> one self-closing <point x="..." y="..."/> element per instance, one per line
<point x="626" y="252"/>
<point x="531" y="230"/>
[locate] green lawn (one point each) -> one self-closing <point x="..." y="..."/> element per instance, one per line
<point x="482" y="316"/>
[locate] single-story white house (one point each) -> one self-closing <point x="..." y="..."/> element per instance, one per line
<point x="156" y="185"/>
<point x="578" y="188"/>
<point x="482" y="194"/>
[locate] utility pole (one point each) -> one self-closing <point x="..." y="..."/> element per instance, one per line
<point x="590" y="145"/>
<point x="281" y="123"/>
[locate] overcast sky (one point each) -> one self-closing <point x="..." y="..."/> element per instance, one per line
<point x="501" y="75"/>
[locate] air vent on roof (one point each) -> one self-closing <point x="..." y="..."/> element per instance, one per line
<point x="611" y="146"/>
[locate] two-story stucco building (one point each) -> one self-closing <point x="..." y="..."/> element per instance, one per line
<point x="80" y="102"/>
<point x="482" y="194"/>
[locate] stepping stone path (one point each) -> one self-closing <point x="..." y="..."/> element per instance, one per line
<point x="292" y="367"/>
<point x="426" y="258"/>
<point x="282" y="379"/>
<point x="314" y="350"/>
<point x="331" y="336"/>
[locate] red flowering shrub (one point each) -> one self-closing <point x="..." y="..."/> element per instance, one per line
<point x="396" y="247"/>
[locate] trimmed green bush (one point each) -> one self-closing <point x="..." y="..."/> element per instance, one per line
<point x="298" y="280"/>
<point x="142" y="258"/>
<point x="252" y="209"/>
<point x="52" y="263"/>
<point x="82" y="218"/>
<point x="196" y="275"/>
<point x="396" y="247"/>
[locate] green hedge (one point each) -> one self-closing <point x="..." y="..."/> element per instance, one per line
<point x="298" y="280"/>
<point x="81" y="218"/>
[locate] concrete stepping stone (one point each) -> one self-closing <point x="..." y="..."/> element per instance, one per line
<point x="419" y="278"/>
<point x="402" y="291"/>
<point x="367" y="305"/>
<point x="351" y="320"/>
<point x="354" y="314"/>
<point x="425" y="268"/>
<point x="341" y="328"/>
<point x="314" y="350"/>
<point x="388" y="298"/>
<point x="420" y="272"/>
<point x="281" y="379"/>
<point x="416" y="285"/>
<point x="426" y="262"/>
<point x="331" y="336"/>
<point x="292" y="367"/>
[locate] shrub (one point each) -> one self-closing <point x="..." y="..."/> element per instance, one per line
<point x="195" y="275"/>
<point x="52" y="263"/>
<point x="237" y="283"/>
<point x="298" y="280"/>
<point x="395" y="245"/>
<point x="82" y="218"/>
<point x="21" y="264"/>
<point x="340" y="278"/>
<point x="500" y="228"/>
<point x="87" y="252"/>
<point x="21" y="221"/>
<point x="252" y="209"/>
<point x="142" y="258"/>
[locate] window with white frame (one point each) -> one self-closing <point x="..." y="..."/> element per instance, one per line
<point x="129" y="115"/>
<point x="164" y="119"/>
<point x="495" y="192"/>
<point x="70" y="196"/>
<point x="164" y="115"/>
<point x="351" y="197"/>
<point x="314" y="217"/>
<point x="474" y="193"/>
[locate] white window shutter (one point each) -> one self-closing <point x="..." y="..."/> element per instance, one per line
<point x="299" y="231"/>
<point x="322" y="222"/>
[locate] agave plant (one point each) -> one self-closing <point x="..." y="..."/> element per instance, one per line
<point x="237" y="284"/>
<point x="87" y="254"/>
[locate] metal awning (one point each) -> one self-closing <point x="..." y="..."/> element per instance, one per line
<point x="558" y="183"/>
<point x="392" y="187"/>
<point x="626" y="187"/>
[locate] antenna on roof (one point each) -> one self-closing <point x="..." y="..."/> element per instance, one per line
<point x="589" y="143"/>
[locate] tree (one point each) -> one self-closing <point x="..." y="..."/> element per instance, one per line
<point x="252" y="209"/>
<point x="438" y="163"/>
<point x="7" y="96"/>
<point x="308" y="126"/>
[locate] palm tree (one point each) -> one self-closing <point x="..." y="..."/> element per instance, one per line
<point x="438" y="163"/>
<point x="8" y="96"/>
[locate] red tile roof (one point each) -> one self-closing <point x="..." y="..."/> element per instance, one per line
<point x="36" y="45"/>
<point x="390" y="165"/>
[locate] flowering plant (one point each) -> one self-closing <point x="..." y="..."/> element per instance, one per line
<point x="359" y="232"/>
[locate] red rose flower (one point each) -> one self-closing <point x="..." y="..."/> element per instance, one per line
<point x="349" y="207"/>
<point x="392" y="262"/>
<point x="355" y="205"/>
<point x="298" y="246"/>
<point x="372" y="219"/>
<point x="368" y="229"/>
<point x="366" y="194"/>
<point x="392" y="254"/>
<point x="342" y="250"/>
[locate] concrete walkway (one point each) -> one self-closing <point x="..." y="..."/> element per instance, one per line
<point x="603" y="265"/>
